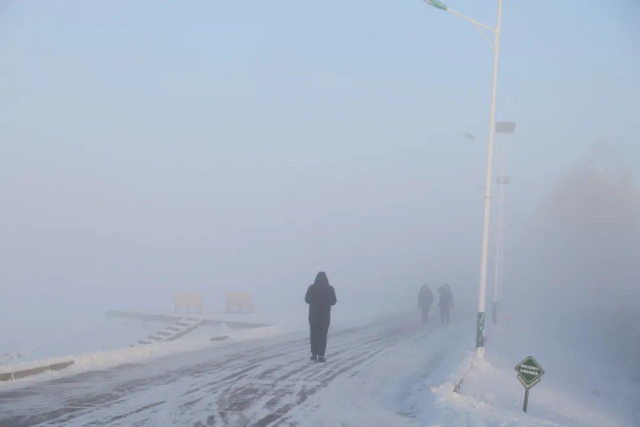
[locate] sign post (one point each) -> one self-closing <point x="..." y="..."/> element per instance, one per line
<point x="529" y="374"/>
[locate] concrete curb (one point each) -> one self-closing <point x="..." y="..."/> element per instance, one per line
<point x="9" y="376"/>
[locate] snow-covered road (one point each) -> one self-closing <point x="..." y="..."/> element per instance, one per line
<point x="370" y="369"/>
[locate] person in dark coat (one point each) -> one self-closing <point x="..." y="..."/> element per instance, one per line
<point x="425" y="299"/>
<point x="445" y="303"/>
<point x="321" y="297"/>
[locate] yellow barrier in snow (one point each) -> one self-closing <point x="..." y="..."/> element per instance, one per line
<point x="187" y="300"/>
<point x="240" y="302"/>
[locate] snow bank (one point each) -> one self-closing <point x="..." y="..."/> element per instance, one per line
<point x="81" y="339"/>
<point x="145" y="352"/>
<point x="24" y="366"/>
<point x="575" y="391"/>
<point x="139" y="354"/>
<point x="494" y="397"/>
<point x="54" y="336"/>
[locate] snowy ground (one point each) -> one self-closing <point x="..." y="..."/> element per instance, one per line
<point x="579" y="389"/>
<point x="60" y="335"/>
<point x="388" y="373"/>
<point x="199" y="339"/>
<point x="59" y="332"/>
<point x="44" y="339"/>
<point x="266" y="383"/>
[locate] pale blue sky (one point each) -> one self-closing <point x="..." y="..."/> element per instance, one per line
<point x="155" y="145"/>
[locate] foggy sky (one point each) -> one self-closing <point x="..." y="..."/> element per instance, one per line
<point x="155" y="147"/>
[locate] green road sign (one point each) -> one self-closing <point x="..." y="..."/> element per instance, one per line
<point x="529" y="372"/>
<point x="528" y="386"/>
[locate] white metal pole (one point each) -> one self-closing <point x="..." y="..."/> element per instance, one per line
<point x="482" y="300"/>
<point x="503" y="257"/>
<point x="498" y="260"/>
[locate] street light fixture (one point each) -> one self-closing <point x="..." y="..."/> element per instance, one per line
<point x="437" y="4"/>
<point x="495" y="47"/>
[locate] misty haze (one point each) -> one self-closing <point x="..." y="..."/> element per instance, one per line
<point x="360" y="214"/>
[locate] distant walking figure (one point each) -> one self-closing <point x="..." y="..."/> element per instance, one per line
<point x="321" y="297"/>
<point x="425" y="299"/>
<point x="445" y="303"/>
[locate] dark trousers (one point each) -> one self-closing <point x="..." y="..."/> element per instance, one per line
<point x="425" y="315"/>
<point x="319" y="331"/>
<point x="444" y="314"/>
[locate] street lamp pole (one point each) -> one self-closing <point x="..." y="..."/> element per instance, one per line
<point x="487" y="195"/>
<point x="499" y="239"/>
<point x="482" y="298"/>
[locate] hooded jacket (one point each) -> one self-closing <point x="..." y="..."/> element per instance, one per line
<point x="321" y="297"/>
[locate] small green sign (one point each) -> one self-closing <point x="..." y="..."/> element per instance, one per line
<point x="529" y="372"/>
<point x="525" y="385"/>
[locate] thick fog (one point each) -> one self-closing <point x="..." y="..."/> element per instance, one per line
<point x="153" y="148"/>
<point x="575" y="274"/>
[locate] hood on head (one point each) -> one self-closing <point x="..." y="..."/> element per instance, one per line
<point x="321" y="279"/>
